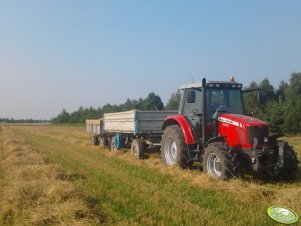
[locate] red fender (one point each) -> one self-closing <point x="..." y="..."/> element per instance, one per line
<point x="182" y="122"/>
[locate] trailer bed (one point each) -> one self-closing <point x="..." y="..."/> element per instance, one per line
<point x="135" y="121"/>
<point x="94" y="126"/>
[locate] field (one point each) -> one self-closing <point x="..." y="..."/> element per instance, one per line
<point x="52" y="175"/>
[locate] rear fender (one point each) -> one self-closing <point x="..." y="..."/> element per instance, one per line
<point x="183" y="124"/>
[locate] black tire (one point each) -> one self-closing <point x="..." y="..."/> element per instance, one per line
<point x="290" y="164"/>
<point x="173" y="147"/>
<point x="113" y="144"/>
<point x="94" y="140"/>
<point x="103" y="143"/>
<point x="217" y="162"/>
<point x="137" y="148"/>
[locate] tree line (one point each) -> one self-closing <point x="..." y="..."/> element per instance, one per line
<point x="151" y="102"/>
<point x="12" y="120"/>
<point x="281" y="106"/>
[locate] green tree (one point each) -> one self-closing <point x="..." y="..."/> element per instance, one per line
<point x="250" y="98"/>
<point x="152" y="102"/>
<point x="274" y="114"/>
<point x="267" y="90"/>
<point x="174" y="101"/>
<point x="292" y="118"/>
<point x="63" y="117"/>
<point x="281" y="93"/>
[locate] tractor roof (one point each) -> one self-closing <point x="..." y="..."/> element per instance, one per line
<point x="212" y="84"/>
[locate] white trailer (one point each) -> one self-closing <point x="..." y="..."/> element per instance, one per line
<point x="137" y="129"/>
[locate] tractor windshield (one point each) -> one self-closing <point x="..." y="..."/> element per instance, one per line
<point x="230" y="99"/>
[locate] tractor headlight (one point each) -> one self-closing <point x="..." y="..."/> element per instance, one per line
<point x="265" y="140"/>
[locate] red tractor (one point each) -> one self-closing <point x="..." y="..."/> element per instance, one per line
<point x="212" y="127"/>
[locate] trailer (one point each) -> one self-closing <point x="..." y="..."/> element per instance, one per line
<point x="135" y="129"/>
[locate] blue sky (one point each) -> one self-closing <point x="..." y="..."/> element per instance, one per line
<point x="66" y="54"/>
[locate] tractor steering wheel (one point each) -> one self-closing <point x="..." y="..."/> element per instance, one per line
<point x="221" y="109"/>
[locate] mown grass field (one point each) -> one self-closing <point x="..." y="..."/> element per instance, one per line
<point x="117" y="189"/>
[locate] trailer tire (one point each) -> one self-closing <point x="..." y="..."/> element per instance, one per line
<point x="112" y="143"/>
<point x="94" y="140"/>
<point x="103" y="143"/>
<point x="173" y="147"/>
<point x="137" y="148"/>
<point x="116" y="142"/>
<point x="217" y="162"/>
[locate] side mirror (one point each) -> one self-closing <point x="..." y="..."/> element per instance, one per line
<point x="260" y="97"/>
<point x="190" y="96"/>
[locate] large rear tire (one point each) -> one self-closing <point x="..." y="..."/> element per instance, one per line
<point x="217" y="162"/>
<point x="173" y="147"/>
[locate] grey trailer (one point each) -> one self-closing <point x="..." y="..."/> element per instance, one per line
<point x="140" y="130"/>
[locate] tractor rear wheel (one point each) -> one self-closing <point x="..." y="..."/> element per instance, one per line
<point x="217" y="162"/>
<point x="173" y="147"/>
<point x="137" y="148"/>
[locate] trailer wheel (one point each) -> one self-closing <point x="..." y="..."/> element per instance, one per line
<point x="217" y="162"/>
<point x="103" y="143"/>
<point x="173" y="147"/>
<point x="94" y="140"/>
<point x="137" y="148"/>
<point x="116" y="142"/>
<point x="290" y="164"/>
<point x="112" y="143"/>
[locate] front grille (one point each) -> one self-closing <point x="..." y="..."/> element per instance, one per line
<point x="259" y="132"/>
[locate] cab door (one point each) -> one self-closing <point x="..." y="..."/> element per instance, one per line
<point x="191" y="108"/>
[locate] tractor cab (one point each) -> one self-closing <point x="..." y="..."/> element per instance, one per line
<point x="209" y="100"/>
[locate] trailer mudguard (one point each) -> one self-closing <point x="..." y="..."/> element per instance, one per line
<point x="182" y="122"/>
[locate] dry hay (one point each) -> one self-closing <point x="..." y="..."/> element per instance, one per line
<point x="33" y="192"/>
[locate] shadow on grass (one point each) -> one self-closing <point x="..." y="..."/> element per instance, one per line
<point x="94" y="204"/>
<point x="264" y="179"/>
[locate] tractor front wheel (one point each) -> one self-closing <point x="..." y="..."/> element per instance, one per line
<point x="217" y="162"/>
<point x="290" y="164"/>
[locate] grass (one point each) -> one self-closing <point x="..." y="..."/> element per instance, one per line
<point x="31" y="190"/>
<point x="125" y="191"/>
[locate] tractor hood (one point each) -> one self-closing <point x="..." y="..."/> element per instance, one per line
<point x="241" y="120"/>
<point x="240" y="130"/>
